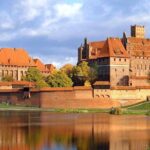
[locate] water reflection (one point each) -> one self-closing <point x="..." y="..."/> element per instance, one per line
<point x="54" y="131"/>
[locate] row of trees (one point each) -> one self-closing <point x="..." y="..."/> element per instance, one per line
<point x="68" y="75"/>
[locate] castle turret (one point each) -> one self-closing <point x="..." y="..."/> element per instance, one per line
<point x="137" y="31"/>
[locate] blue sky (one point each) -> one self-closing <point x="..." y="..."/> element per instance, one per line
<point x="53" y="29"/>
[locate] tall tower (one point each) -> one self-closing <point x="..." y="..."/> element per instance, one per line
<point x="137" y="31"/>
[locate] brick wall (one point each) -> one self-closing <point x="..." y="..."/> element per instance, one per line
<point x="78" y="97"/>
<point x="16" y="97"/>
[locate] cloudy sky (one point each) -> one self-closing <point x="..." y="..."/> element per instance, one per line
<point x="53" y="29"/>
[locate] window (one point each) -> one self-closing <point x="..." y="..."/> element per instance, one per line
<point x="124" y="59"/>
<point x="119" y="59"/>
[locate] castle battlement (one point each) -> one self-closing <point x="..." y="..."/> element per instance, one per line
<point x="122" y="61"/>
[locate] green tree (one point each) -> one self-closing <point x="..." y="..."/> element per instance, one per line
<point x="67" y="69"/>
<point x="59" y="79"/>
<point x="7" y="78"/>
<point x="33" y="75"/>
<point x="41" y="84"/>
<point x="83" y="73"/>
<point x="93" y="74"/>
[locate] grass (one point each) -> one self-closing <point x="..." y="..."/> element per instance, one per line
<point x="141" y="108"/>
<point x="137" y="109"/>
<point x="5" y="106"/>
<point x="82" y="110"/>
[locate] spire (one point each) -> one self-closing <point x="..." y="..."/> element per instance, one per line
<point x="85" y="41"/>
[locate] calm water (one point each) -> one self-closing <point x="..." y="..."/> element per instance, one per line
<point x="55" y="131"/>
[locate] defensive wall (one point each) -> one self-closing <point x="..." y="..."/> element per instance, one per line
<point x="76" y="97"/>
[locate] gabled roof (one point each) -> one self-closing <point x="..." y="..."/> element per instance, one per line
<point x="40" y="65"/>
<point x="112" y="47"/>
<point x="97" y="44"/>
<point x="116" y="48"/>
<point x="15" y="56"/>
<point x="20" y="57"/>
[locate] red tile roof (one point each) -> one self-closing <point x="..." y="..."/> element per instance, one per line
<point x="140" y="46"/>
<point x="20" y="57"/>
<point x="15" y="56"/>
<point x="112" y="47"/>
<point x="50" y="67"/>
<point x="98" y="44"/>
<point x="40" y="65"/>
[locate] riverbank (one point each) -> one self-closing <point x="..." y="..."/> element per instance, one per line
<point x="138" y="109"/>
<point x="6" y="107"/>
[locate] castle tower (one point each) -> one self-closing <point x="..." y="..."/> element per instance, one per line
<point x="137" y="31"/>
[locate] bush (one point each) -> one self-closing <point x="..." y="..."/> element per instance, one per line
<point x="148" y="113"/>
<point x="116" y="111"/>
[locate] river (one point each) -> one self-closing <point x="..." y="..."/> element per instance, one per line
<point x="73" y="131"/>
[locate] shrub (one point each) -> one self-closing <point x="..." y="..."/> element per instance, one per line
<point x="148" y="113"/>
<point x="116" y="111"/>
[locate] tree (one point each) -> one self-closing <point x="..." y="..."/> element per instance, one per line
<point x="7" y="78"/>
<point x="67" y="69"/>
<point x="93" y="74"/>
<point x="83" y="73"/>
<point x="80" y="73"/>
<point x="59" y="79"/>
<point x="41" y="84"/>
<point x="33" y="75"/>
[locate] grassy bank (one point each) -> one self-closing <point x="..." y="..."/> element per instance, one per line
<point x="138" y="109"/>
<point x="142" y="109"/>
<point x="5" y="107"/>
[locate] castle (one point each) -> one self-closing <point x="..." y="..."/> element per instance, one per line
<point x="122" y="61"/>
<point x="15" y="62"/>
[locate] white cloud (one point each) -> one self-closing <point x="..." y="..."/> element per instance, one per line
<point x="67" y="10"/>
<point x="7" y="37"/>
<point x="62" y="61"/>
<point x="72" y="12"/>
<point x="6" y="21"/>
<point x="57" y="60"/>
<point x="30" y="9"/>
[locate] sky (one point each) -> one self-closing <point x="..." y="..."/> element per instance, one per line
<point x="52" y="30"/>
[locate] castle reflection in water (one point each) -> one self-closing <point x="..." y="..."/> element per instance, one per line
<point x="54" y="131"/>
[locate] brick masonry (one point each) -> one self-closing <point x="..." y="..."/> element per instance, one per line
<point x="76" y="97"/>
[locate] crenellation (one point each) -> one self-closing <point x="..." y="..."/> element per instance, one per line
<point x="129" y="56"/>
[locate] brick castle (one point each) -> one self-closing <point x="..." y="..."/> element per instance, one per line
<point x="122" y="61"/>
<point x="124" y="65"/>
<point x="16" y="61"/>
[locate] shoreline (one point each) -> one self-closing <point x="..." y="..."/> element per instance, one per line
<point x="124" y="111"/>
<point x="138" y="109"/>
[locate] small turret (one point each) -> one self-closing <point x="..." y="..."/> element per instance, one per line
<point x="85" y="41"/>
<point x="137" y="31"/>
